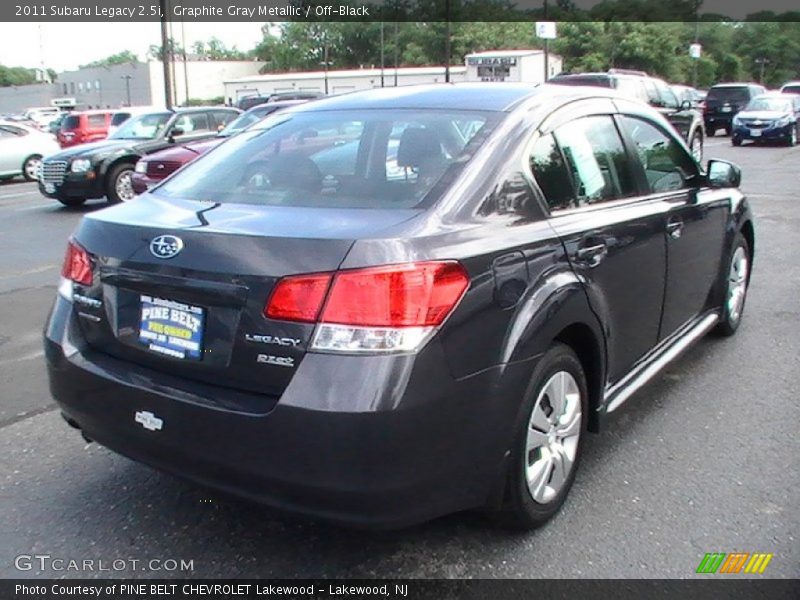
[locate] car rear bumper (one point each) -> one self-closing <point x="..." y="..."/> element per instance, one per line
<point x="374" y="442"/>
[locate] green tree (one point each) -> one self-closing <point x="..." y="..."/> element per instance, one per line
<point x="120" y="58"/>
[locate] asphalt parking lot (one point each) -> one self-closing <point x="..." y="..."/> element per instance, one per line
<point x="703" y="460"/>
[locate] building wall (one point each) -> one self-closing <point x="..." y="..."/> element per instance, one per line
<point x="339" y="82"/>
<point x="205" y="78"/>
<point x="106" y="86"/>
<point x="15" y="99"/>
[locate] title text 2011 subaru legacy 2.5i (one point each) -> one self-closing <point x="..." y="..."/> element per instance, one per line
<point x="390" y="305"/>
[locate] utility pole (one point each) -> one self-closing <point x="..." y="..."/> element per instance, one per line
<point x="325" y="64"/>
<point x="546" y="50"/>
<point x="396" y="52"/>
<point x="447" y="42"/>
<point x="185" y="66"/>
<point x="164" y="55"/>
<point x="383" y="62"/>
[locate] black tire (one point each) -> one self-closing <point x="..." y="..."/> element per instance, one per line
<point x="697" y="138"/>
<point x="519" y="509"/>
<point x="28" y="169"/>
<point x="727" y="131"/>
<point x="114" y="174"/>
<point x="736" y="141"/>
<point x="71" y="202"/>
<point x="730" y="321"/>
<point x="791" y="139"/>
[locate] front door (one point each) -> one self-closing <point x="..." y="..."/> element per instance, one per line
<point x="614" y="239"/>
<point x="695" y="223"/>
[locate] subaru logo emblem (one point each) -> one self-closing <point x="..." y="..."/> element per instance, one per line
<point x="148" y="420"/>
<point x="166" y="246"/>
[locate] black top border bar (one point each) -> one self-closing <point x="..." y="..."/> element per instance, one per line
<point x="397" y="10"/>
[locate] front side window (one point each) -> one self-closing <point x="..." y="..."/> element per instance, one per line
<point x="596" y="160"/>
<point x="667" y="166"/>
<point x="97" y="121"/>
<point x="192" y="123"/>
<point x="338" y="159"/>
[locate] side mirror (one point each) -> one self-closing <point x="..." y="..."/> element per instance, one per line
<point x="176" y="131"/>
<point x="686" y="105"/>
<point x="722" y="174"/>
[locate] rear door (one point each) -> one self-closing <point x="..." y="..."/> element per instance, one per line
<point x="96" y="127"/>
<point x="695" y="225"/>
<point x="613" y="237"/>
<point x="10" y="161"/>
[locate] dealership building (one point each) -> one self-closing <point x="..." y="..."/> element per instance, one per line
<point x="525" y="66"/>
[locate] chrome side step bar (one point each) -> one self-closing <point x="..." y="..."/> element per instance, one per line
<point x="627" y="386"/>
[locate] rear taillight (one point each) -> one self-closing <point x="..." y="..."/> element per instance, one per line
<point x="77" y="264"/>
<point x="379" y="309"/>
<point x="298" y="298"/>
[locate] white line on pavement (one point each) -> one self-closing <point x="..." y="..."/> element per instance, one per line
<point x="29" y="356"/>
<point x="33" y="271"/>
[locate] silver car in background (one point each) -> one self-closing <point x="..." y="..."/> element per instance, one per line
<point x="22" y="149"/>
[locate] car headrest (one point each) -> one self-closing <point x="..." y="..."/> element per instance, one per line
<point x="417" y="146"/>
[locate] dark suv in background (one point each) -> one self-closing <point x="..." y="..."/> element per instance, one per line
<point x="724" y="100"/>
<point x="249" y="102"/>
<point x="682" y="115"/>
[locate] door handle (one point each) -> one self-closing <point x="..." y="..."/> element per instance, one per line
<point x="592" y="255"/>
<point x="675" y="228"/>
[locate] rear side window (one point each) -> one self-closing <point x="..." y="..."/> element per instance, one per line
<point x="550" y="171"/>
<point x="337" y="159"/>
<point x="119" y="118"/>
<point x="596" y="160"/>
<point x="97" y="121"/>
<point x="791" y="89"/>
<point x="223" y="117"/>
<point x="666" y="164"/>
<point x="71" y="122"/>
<point x="192" y="123"/>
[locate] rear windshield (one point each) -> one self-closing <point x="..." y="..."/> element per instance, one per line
<point x="728" y="94"/>
<point x="337" y="159"/>
<point x="71" y="122"/>
<point x="119" y="118"/>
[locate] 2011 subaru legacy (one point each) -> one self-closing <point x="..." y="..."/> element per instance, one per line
<point x="390" y="305"/>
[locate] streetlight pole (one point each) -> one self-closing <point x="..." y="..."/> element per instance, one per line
<point x="546" y="50"/>
<point x="396" y="52"/>
<point x="325" y="65"/>
<point x="447" y="41"/>
<point x="127" y="79"/>
<point x="761" y="62"/>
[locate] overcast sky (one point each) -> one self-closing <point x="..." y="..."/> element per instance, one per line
<point x="64" y="46"/>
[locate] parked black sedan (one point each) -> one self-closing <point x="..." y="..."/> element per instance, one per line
<point x="390" y="305"/>
<point x="104" y="168"/>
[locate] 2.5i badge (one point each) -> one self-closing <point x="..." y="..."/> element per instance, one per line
<point x="279" y="361"/>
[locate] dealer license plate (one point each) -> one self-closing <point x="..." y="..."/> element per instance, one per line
<point x="171" y="328"/>
<point x="755" y="132"/>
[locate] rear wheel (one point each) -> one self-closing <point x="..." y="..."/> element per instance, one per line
<point x="30" y="168"/>
<point x="119" y="187"/>
<point x="736" y="141"/>
<point x="737" y="277"/>
<point x="547" y="446"/>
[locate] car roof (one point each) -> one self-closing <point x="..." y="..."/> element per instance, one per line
<point x="185" y="109"/>
<point x="735" y="84"/>
<point x="491" y="97"/>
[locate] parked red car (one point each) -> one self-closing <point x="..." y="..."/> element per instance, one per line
<point x="152" y="168"/>
<point x="83" y="127"/>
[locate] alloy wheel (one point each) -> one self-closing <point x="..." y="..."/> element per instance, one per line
<point x="31" y="167"/>
<point x="737" y="283"/>
<point x="124" y="186"/>
<point x="553" y="434"/>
